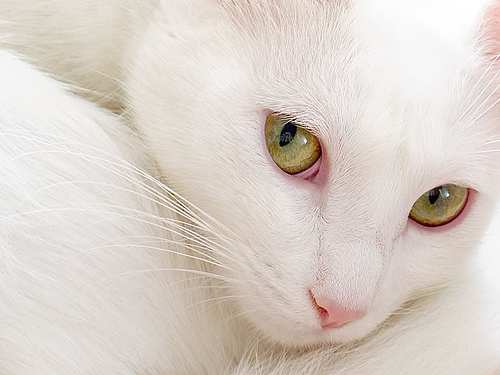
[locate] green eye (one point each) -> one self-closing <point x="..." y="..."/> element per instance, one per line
<point x="440" y="205"/>
<point x="292" y="148"/>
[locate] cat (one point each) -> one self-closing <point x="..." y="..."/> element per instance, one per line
<point x="253" y="187"/>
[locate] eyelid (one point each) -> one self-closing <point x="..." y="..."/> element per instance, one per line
<point x="311" y="172"/>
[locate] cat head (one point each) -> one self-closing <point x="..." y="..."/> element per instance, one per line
<point x="398" y="103"/>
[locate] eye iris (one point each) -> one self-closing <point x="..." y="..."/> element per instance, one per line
<point x="287" y="134"/>
<point x="440" y="205"/>
<point x="293" y="148"/>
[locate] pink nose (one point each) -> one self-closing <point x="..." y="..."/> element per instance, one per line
<point x="332" y="315"/>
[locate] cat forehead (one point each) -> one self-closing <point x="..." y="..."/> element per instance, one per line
<point x="392" y="45"/>
<point x="383" y="79"/>
<point x="397" y="67"/>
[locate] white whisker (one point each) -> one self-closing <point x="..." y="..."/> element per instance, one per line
<point x="210" y="302"/>
<point x="147" y="240"/>
<point x="183" y="210"/>
<point x="169" y="251"/>
<point x="484" y="89"/>
<point x="486" y="111"/>
<point x="181" y="270"/>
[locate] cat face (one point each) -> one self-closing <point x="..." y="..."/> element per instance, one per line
<point x="398" y="99"/>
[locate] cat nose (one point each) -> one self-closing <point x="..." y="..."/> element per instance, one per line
<point x="333" y="315"/>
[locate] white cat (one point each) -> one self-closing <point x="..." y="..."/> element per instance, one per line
<point x="327" y="171"/>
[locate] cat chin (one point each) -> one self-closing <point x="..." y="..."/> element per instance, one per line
<point x="308" y="338"/>
<point x="299" y="334"/>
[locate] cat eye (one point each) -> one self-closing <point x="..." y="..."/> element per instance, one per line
<point x="292" y="148"/>
<point x="440" y="205"/>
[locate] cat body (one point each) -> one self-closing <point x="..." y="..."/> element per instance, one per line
<point x="216" y="269"/>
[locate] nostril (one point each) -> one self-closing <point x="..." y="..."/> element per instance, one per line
<point x="333" y="315"/>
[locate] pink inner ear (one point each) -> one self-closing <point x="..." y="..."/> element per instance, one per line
<point x="490" y="30"/>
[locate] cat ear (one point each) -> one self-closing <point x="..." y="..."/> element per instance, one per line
<point x="490" y="31"/>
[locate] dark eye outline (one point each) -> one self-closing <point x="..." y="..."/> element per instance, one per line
<point x="433" y="195"/>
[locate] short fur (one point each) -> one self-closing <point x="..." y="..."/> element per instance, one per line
<point x="163" y="239"/>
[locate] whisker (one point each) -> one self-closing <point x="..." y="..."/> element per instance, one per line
<point x="169" y="251"/>
<point x="220" y="284"/>
<point x="239" y="314"/>
<point x="155" y="239"/>
<point x="210" y="302"/>
<point x="180" y="209"/>
<point x="486" y="111"/>
<point x="170" y="201"/>
<point x="126" y="166"/>
<point x="495" y="141"/>
<point x="485" y="152"/>
<point x="206" y="287"/>
<point x="486" y="100"/>
<point x="484" y="89"/>
<point x="171" y="228"/>
<point x="181" y="270"/>
<point x="123" y="165"/>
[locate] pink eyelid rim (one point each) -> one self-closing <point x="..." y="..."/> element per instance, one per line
<point x="310" y="172"/>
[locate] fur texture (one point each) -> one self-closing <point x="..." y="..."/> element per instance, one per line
<point x="165" y="239"/>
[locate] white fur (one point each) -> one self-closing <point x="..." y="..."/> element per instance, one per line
<point x="106" y="270"/>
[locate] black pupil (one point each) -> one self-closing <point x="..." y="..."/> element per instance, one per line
<point x="434" y="195"/>
<point x="287" y="133"/>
